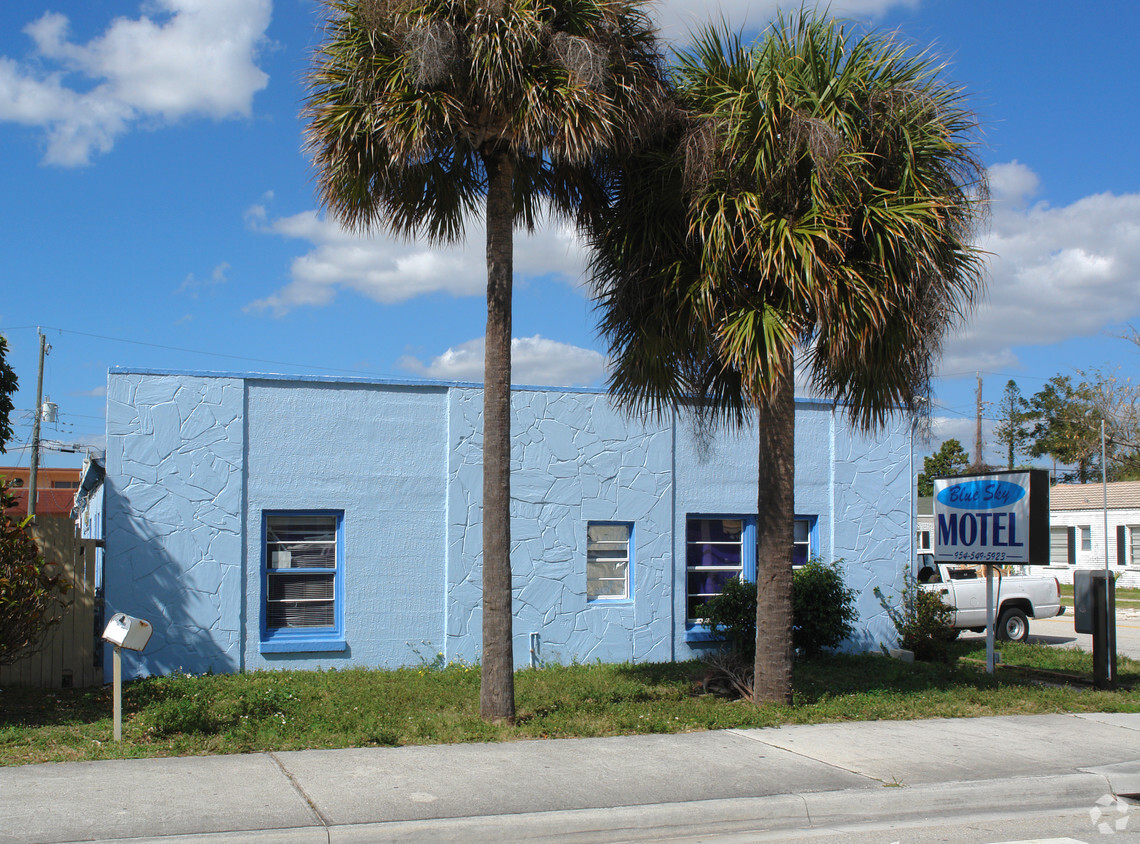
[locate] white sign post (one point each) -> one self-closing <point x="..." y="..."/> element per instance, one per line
<point x="983" y="519"/>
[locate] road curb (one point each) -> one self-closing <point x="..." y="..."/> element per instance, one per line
<point x="705" y="818"/>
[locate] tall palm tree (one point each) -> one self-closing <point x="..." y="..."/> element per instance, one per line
<point x="814" y="199"/>
<point x="420" y="109"/>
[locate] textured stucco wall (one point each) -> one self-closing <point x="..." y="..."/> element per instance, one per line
<point x="173" y="517"/>
<point x="871" y="521"/>
<point x="378" y="454"/>
<point x="195" y="460"/>
<point x="573" y="460"/>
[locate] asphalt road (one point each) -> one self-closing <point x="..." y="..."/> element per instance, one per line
<point x="1059" y="632"/>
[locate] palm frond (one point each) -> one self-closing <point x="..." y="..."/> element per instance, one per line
<point x="830" y="193"/>
<point x="407" y="97"/>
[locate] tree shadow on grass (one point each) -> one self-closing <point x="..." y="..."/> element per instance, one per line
<point x="34" y="707"/>
<point x="833" y="675"/>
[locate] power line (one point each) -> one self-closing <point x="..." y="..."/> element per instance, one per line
<point x="190" y="351"/>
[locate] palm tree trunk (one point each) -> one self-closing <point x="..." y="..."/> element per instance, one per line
<point x="497" y="687"/>
<point x="775" y="517"/>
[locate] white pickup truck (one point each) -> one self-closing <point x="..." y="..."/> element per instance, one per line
<point x="1017" y="598"/>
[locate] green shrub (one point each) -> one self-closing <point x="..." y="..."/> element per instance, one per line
<point x="823" y="611"/>
<point x="823" y="607"/>
<point x="925" y="623"/>
<point x="732" y="614"/>
<point x="32" y="592"/>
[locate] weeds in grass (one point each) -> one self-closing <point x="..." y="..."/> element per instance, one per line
<point x="291" y="710"/>
<point x="438" y="662"/>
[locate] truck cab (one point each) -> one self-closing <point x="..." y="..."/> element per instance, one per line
<point x="1017" y="598"/>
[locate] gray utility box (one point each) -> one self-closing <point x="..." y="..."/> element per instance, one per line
<point x="1090" y="610"/>
<point x="1094" y="611"/>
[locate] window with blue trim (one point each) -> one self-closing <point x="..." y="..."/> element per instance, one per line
<point x="804" y="542"/>
<point x="719" y="549"/>
<point x="716" y="550"/>
<point x="303" y="581"/>
<point x="608" y="561"/>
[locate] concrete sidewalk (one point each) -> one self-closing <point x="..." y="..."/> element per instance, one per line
<point x="632" y="788"/>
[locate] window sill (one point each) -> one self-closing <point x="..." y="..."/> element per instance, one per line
<point x="701" y="634"/>
<point x="298" y="644"/>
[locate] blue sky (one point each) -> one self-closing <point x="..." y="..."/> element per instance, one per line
<point x="159" y="210"/>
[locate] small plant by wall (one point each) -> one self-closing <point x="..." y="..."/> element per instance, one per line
<point x="925" y="623"/>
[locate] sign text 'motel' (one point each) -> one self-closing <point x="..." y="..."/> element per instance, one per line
<point x="987" y="518"/>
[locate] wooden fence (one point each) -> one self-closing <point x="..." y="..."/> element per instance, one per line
<point x="67" y="656"/>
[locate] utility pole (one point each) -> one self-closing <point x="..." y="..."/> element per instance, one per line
<point x="978" y="462"/>
<point x="32" y="480"/>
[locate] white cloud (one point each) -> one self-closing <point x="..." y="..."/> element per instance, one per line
<point x="534" y="360"/>
<point x="192" y="285"/>
<point x="678" y="17"/>
<point x="1054" y="273"/>
<point x="391" y="271"/>
<point x="1013" y="184"/>
<point x="186" y="58"/>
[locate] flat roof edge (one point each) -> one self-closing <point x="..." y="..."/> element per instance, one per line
<point x="379" y="380"/>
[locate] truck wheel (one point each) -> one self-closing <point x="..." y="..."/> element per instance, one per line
<point x="1013" y="626"/>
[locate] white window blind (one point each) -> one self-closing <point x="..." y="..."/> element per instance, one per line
<point x="300" y="555"/>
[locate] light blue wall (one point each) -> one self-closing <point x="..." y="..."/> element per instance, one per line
<point x="175" y="459"/>
<point x="855" y="486"/>
<point x="379" y="454"/>
<point x="573" y="460"/>
<point x="194" y="460"/>
<point x="872" y="530"/>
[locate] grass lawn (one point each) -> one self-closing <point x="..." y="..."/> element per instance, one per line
<point x="292" y="710"/>
<point x="1125" y="598"/>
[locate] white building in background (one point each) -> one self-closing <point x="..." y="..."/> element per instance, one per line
<point x="1077" y="530"/>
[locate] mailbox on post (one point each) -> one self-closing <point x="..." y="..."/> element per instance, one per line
<point x="124" y="631"/>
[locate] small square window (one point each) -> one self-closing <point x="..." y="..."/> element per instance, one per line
<point x="607" y="561"/>
<point x="300" y="580"/>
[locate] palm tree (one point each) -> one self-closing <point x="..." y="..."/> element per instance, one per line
<point x="419" y="109"/>
<point x="813" y="200"/>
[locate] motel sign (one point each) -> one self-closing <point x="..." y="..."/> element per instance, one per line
<point x="998" y="518"/>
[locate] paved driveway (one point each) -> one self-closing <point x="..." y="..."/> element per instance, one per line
<point x="1059" y="632"/>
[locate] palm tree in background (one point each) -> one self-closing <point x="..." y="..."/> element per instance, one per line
<point x="812" y="200"/>
<point x="424" y="113"/>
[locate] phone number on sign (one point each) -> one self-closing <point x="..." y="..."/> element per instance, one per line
<point x="980" y="556"/>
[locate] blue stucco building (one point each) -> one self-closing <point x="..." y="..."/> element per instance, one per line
<point x="264" y="521"/>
